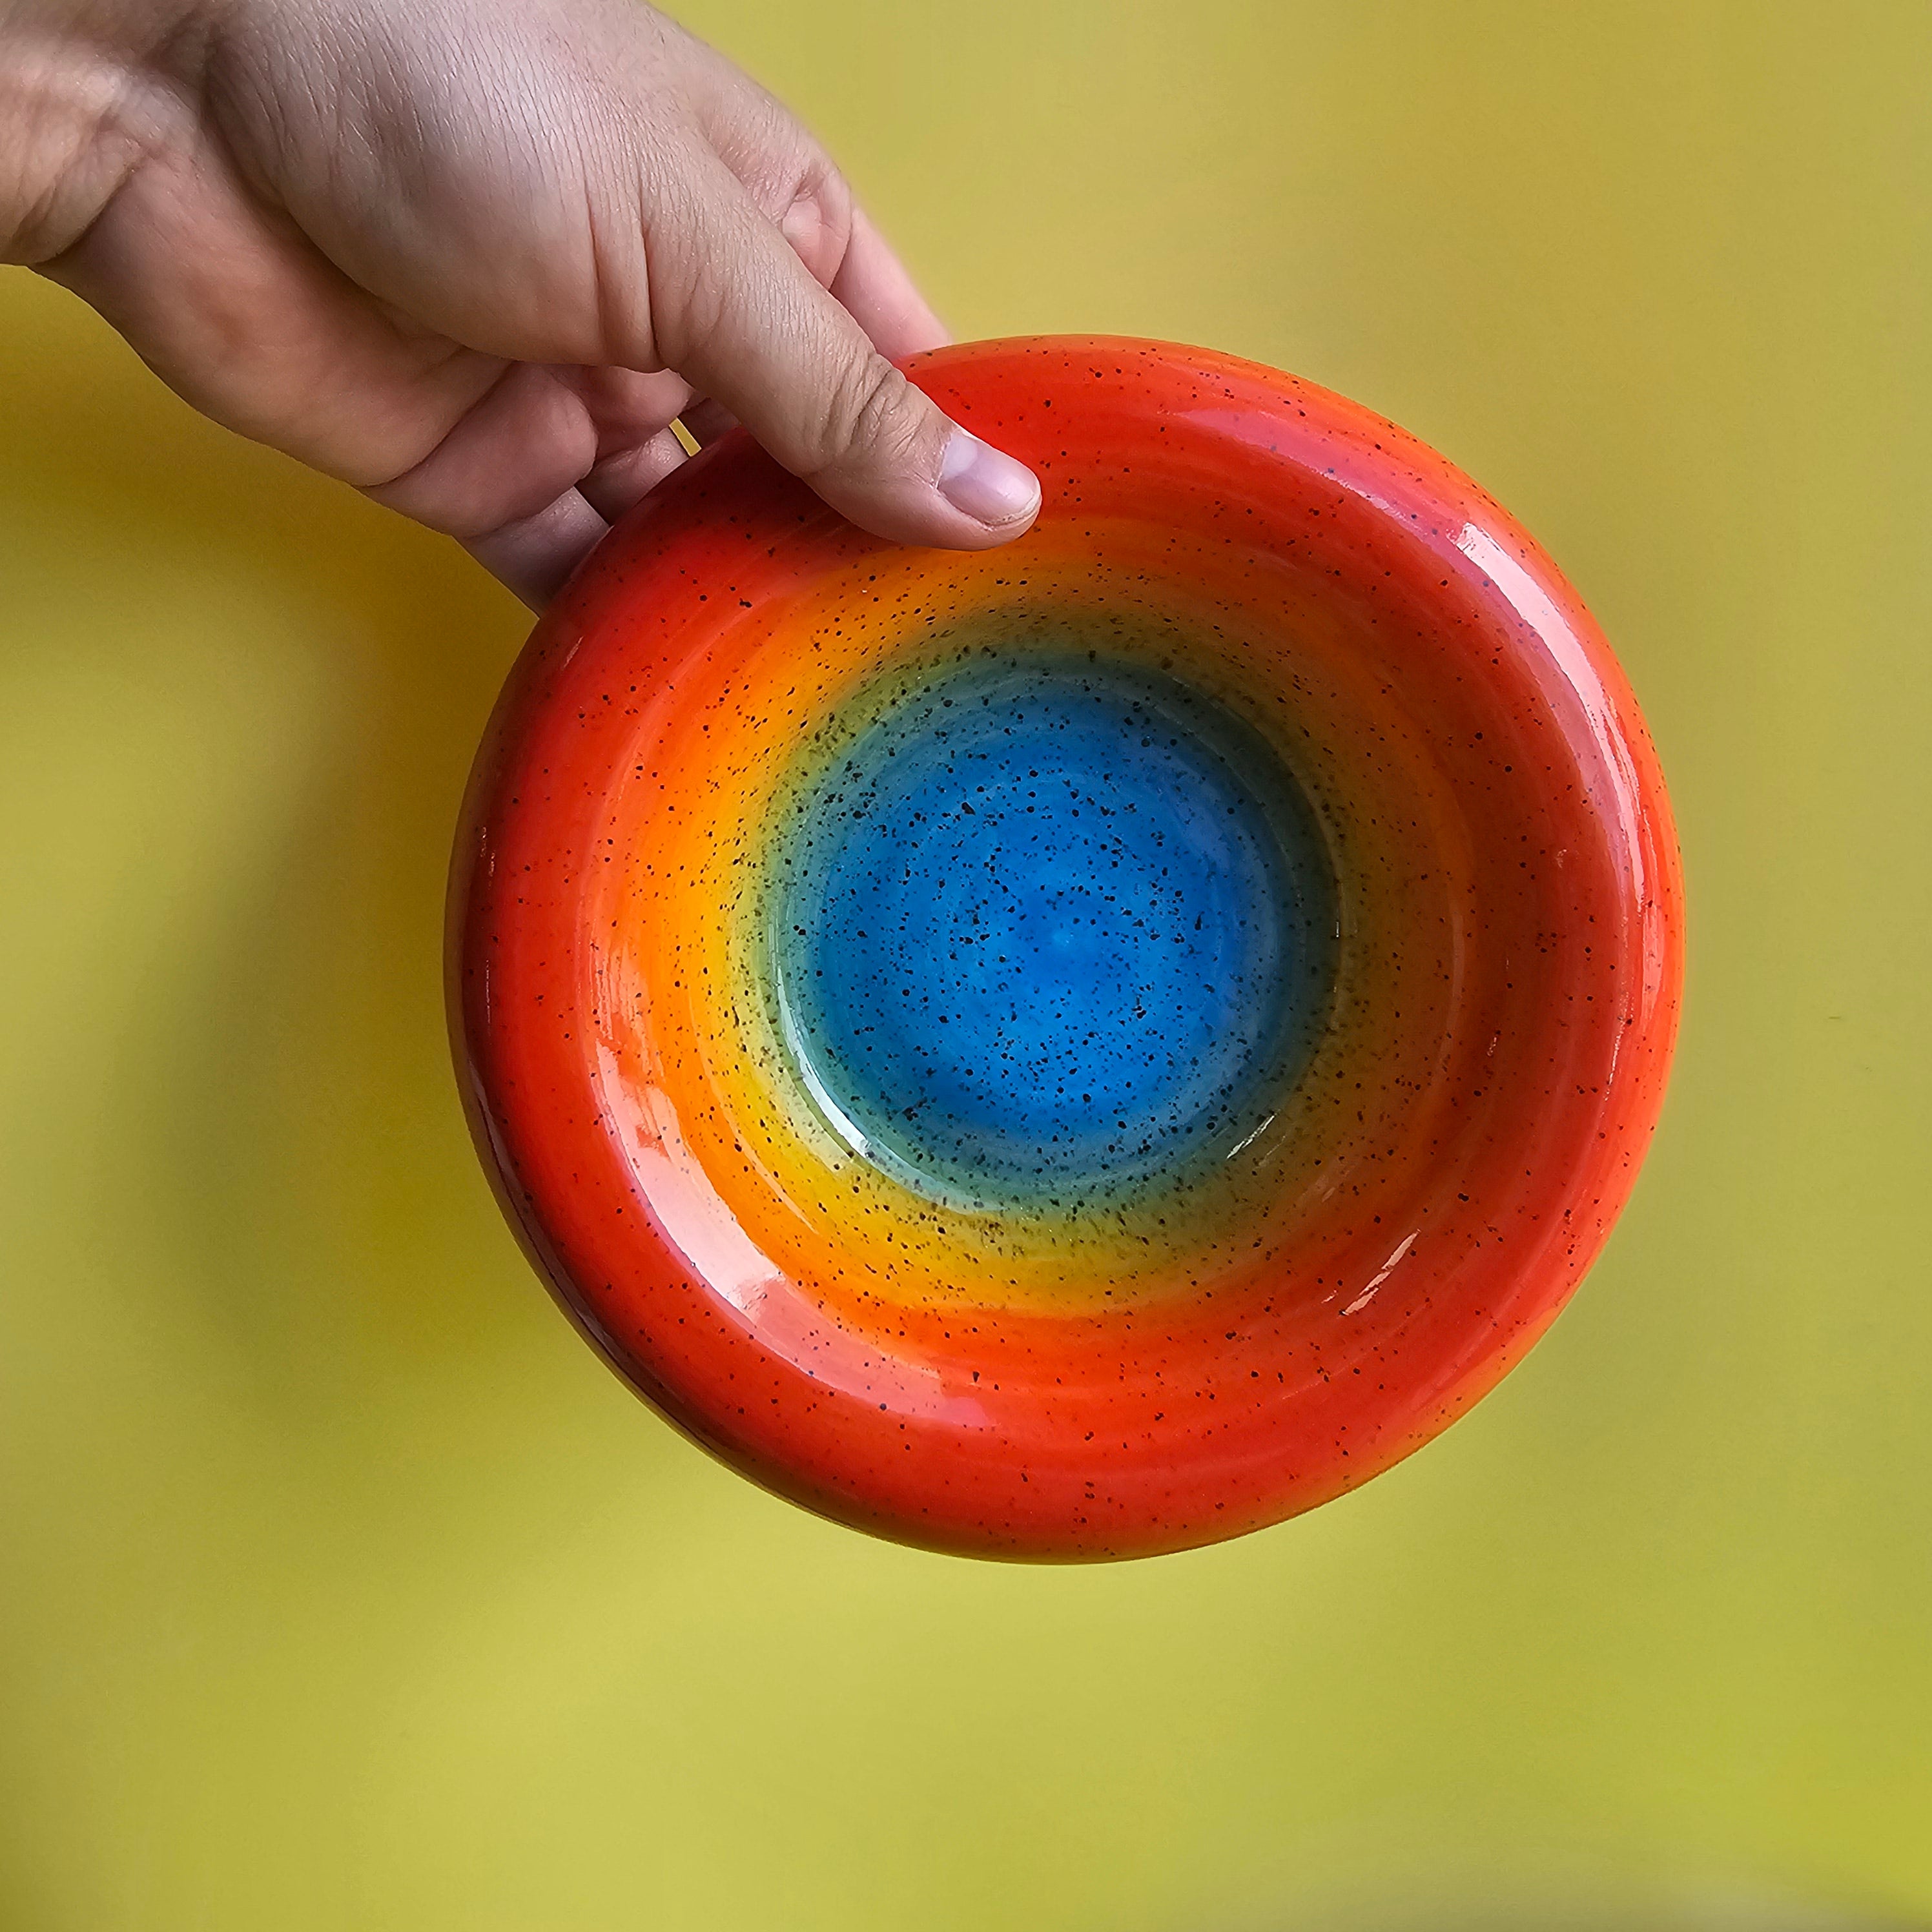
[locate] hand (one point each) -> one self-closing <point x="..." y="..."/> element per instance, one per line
<point x="475" y="256"/>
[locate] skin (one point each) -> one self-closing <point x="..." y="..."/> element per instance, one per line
<point x="476" y="257"/>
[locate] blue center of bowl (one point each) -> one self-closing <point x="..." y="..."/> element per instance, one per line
<point x="1051" y="925"/>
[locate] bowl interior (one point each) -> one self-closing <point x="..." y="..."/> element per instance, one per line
<point x="1060" y="943"/>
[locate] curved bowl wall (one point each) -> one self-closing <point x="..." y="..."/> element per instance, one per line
<point x="1086" y="1048"/>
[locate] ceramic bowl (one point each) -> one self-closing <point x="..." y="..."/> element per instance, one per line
<point x="1088" y="1048"/>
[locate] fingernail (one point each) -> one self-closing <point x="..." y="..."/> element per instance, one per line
<point x="984" y="483"/>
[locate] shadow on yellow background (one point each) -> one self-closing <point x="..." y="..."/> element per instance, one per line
<point x="341" y="1586"/>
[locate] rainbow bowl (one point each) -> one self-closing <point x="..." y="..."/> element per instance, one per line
<point x="1086" y="1048"/>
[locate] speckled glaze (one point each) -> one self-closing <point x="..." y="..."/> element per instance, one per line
<point x="1367" y="1141"/>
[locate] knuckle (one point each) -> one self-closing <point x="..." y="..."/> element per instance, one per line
<point x="871" y="418"/>
<point x="821" y="182"/>
<point x="816" y="217"/>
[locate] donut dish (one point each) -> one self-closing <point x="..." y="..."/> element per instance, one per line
<point x="1085" y="1049"/>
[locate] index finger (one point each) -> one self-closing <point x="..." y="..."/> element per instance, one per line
<point x="872" y="285"/>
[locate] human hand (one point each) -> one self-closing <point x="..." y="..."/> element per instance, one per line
<point x="475" y="256"/>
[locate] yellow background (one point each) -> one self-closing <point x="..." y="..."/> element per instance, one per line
<point x="340" y="1587"/>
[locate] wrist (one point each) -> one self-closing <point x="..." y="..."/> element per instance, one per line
<point x="87" y="92"/>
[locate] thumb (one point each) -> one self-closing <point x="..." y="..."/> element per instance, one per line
<point x="751" y="329"/>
